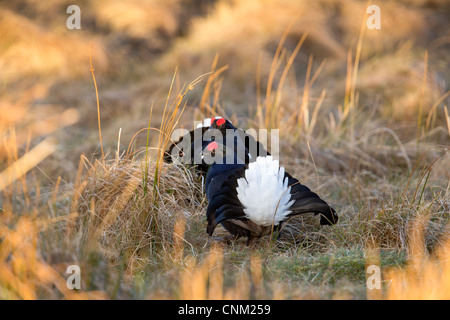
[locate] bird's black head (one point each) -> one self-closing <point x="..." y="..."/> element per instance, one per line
<point x="217" y="153"/>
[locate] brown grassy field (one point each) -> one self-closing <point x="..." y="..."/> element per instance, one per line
<point x="363" y="118"/>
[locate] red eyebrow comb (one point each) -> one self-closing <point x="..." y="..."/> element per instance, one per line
<point x="212" y="146"/>
<point x="220" y="121"/>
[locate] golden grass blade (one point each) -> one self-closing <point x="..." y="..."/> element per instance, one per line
<point x="216" y="281"/>
<point x="43" y="127"/>
<point x="211" y="79"/>
<point x="273" y="70"/>
<point x="178" y="239"/>
<point x="432" y="114"/>
<point x="314" y="163"/>
<point x="447" y="117"/>
<point x="27" y="162"/>
<point x="315" y="113"/>
<point x="352" y="72"/>
<point x="422" y="94"/>
<point x="98" y="106"/>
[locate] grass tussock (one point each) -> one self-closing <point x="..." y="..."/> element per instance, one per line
<point x="128" y="220"/>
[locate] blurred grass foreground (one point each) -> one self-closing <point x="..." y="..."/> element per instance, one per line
<point x="363" y="117"/>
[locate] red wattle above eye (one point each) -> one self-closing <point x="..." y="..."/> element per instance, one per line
<point x="212" y="146"/>
<point x="220" y="121"/>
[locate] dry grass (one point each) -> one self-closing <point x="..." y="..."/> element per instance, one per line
<point x="28" y="49"/>
<point x="152" y="19"/>
<point x="129" y="223"/>
<point x="426" y="276"/>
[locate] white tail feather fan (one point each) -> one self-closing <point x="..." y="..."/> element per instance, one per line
<point x="264" y="192"/>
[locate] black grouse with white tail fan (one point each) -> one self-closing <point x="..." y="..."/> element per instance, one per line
<point x="252" y="199"/>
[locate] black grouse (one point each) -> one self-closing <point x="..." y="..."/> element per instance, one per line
<point x="252" y="199"/>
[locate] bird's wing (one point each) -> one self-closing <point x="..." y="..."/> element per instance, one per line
<point x="224" y="203"/>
